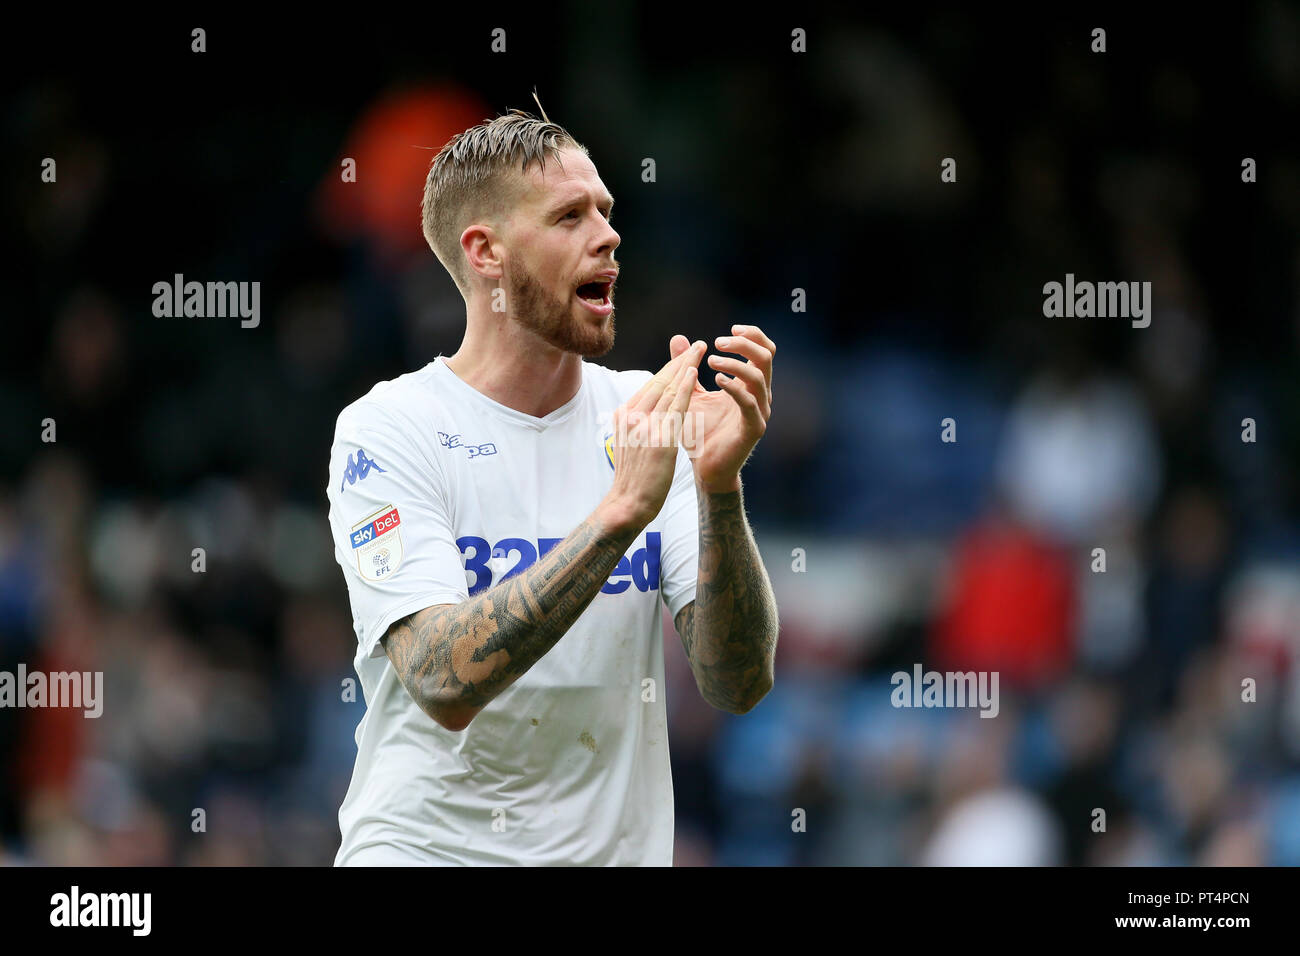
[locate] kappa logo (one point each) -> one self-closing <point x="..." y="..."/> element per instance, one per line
<point x="453" y="441"/>
<point x="358" y="468"/>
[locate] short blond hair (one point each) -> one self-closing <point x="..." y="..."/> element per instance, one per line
<point x="473" y="178"/>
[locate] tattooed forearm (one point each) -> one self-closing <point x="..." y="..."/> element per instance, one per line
<point x="729" y="631"/>
<point x="455" y="658"/>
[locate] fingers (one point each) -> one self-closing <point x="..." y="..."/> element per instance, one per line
<point x="749" y="382"/>
<point x="678" y="345"/>
<point x="681" y="432"/>
<point x="678" y="384"/>
<point x="645" y="396"/>
<point x="755" y="334"/>
<point x="749" y="375"/>
<point x="661" y="425"/>
<point x="756" y="352"/>
<point x="682" y="400"/>
<point x="665" y="420"/>
<point x="749" y="406"/>
<point x="648" y="397"/>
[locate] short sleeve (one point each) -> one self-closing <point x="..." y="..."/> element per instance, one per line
<point x="391" y="519"/>
<point x="681" y="538"/>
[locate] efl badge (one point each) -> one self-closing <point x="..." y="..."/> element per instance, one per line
<point x="609" y="449"/>
<point x="377" y="544"/>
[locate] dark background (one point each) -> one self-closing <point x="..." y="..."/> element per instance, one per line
<point x="775" y="171"/>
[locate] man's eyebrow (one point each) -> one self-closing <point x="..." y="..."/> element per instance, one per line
<point x="564" y="204"/>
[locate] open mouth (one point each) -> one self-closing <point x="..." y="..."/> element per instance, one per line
<point x="597" y="292"/>
<point x="595" y="295"/>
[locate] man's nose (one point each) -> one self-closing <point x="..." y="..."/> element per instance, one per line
<point x="608" y="240"/>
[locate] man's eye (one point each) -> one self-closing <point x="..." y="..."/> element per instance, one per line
<point x="571" y="212"/>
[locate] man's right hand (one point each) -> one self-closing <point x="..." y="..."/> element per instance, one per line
<point x="647" y="431"/>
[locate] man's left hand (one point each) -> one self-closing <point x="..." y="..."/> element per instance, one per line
<point x="728" y="423"/>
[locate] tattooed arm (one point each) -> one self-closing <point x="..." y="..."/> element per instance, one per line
<point x="729" y="631"/>
<point x="454" y="659"/>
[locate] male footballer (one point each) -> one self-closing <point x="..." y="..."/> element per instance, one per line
<point x="509" y="518"/>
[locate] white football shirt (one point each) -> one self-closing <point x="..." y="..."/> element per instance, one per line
<point x="436" y="493"/>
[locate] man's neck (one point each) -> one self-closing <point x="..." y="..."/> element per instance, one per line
<point x="514" y="367"/>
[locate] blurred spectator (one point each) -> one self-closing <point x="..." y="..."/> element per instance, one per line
<point x="1011" y="607"/>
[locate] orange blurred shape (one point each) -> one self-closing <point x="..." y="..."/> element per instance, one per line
<point x="1011" y="607"/>
<point x="393" y="143"/>
<point x="53" y="739"/>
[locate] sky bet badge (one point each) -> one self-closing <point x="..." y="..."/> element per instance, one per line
<point x="377" y="544"/>
<point x="609" y="449"/>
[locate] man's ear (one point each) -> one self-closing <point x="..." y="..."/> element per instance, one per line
<point x="479" y="243"/>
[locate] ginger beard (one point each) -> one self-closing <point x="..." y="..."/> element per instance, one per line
<point x="552" y="320"/>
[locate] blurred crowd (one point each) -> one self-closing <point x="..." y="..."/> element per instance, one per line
<point x="1097" y="529"/>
